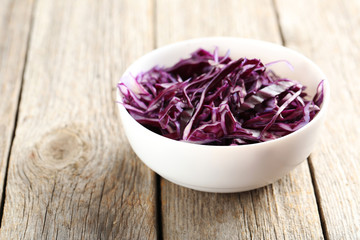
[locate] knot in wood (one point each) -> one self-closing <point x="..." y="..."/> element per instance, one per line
<point x="60" y="148"/>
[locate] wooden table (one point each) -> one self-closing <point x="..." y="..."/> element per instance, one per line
<point x="67" y="170"/>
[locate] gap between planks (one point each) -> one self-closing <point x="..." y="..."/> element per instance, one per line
<point x="28" y="41"/>
<point x="157" y="176"/>
<point x="277" y="16"/>
<point x="317" y="197"/>
<point x="158" y="206"/>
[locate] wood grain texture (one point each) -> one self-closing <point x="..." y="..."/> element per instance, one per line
<point x="284" y="210"/>
<point x="15" y="18"/>
<point x="328" y="32"/>
<point x="72" y="174"/>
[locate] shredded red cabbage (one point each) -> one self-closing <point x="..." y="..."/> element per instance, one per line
<point x="214" y="100"/>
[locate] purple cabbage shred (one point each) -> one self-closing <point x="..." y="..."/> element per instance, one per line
<point x="214" y="100"/>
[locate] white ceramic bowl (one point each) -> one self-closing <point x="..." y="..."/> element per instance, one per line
<point x="227" y="168"/>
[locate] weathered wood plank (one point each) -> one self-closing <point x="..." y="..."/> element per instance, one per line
<point x="285" y="210"/>
<point x="72" y="174"/>
<point x="15" y="21"/>
<point x="328" y="32"/>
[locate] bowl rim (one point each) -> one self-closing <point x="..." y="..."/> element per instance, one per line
<point x="318" y="116"/>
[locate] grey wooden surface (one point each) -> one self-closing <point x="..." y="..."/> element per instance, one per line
<point x="67" y="170"/>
